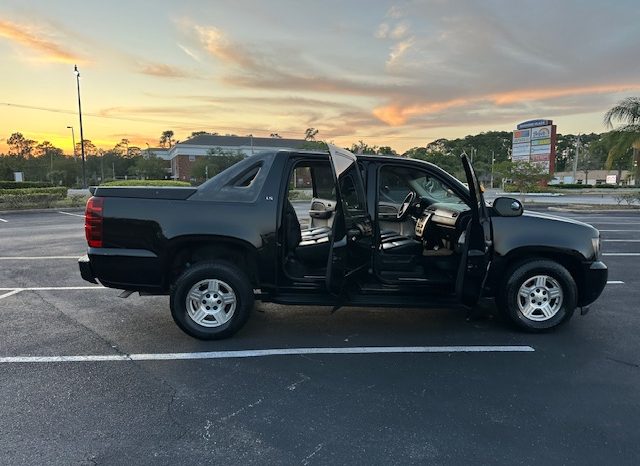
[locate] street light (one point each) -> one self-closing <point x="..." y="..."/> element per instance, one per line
<point x="73" y="140"/>
<point x="77" y="73"/>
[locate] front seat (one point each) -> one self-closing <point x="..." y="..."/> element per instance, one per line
<point x="394" y="243"/>
<point x="310" y="246"/>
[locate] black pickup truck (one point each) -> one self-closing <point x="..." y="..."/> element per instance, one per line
<point x="379" y="231"/>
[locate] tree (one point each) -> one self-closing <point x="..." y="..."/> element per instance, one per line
<point x="202" y="133"/>
<point x="362" y="147"/>
<point x="152" y="168"/>
<point x="310" y="134"/>
<point x="525" y="176"/>
<point x="19" y="146"/>
<point x="214" y="162"/>
<point x="166" y="138"/>
<point x="386" y="150"/>
<point x="627" y="136"/>
<point x="275" y="135"/>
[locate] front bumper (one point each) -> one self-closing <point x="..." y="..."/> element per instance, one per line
<point x="85" y="269"/>
<point x="595" y="279"/>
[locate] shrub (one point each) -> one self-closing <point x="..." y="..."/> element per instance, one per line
<point x="146" y="183"/>
<point x="572" y="186"/>
<point x="23" y="184"/>
<point x="59" y="193"/>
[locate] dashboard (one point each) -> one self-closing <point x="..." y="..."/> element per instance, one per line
<point x="446" y="219"/>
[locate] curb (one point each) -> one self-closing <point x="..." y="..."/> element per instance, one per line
<point x="592" y="210"/>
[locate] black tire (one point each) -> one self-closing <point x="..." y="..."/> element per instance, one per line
<point x="518" y="275"/>
<point x="232" y="278"/>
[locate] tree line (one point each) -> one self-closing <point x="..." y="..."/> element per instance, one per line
<point x="616" y="149"/>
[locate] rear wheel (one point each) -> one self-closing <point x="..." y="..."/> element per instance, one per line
<point x="538" y="295"/>
<point x="212" y="300"/>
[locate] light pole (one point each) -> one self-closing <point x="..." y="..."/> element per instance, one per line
<point x="73" y="140"/>
<point x="493" y="159"/>
<point x="575" y="161"/>
<point x="77" y="73"/>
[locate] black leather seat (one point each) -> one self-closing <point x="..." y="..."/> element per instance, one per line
<point x="395" y="243"/>
<point x="310" y="246"/>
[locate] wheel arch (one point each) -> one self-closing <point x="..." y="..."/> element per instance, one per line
<point x="569" y="259"/>
<point x="183" y="252"/>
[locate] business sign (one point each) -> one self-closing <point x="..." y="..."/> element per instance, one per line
<point x="543" y="132"/>
<point x="534" y="123"/>
<point x="541" y="142"/>
<point x="540" y="157"/>
<point x="535" y="141"/>
<point x="540" y="149"/>
<point x="521" y="149"/>
<point x="521" y="136"/>
<point x="612" y="179"/>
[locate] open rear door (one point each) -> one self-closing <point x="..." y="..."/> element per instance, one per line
<point x="477" y="246"/>
<point x="352" y="232"/>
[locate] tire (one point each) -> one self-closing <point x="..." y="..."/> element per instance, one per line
<point x="211" y="300"/>
<point x="538" y="295"/>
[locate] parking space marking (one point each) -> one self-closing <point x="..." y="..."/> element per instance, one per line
<point x="613" y="231"/>
<point x="621" y="253"/>
<point x="15" y="290"/>
<point x="3" y="220"/>
<point x="621" y="240"/>
<point x="69" y="213"/>
<point x="33" y="258"/>
<point x="615" y="282"/>
<point x="10" y="293"/>
<point x="613" y="223"/>
<point x="267" y="352"/>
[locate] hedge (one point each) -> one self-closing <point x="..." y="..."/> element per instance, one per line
<point x="571" y="186"/>
<point x="60" y="192"/>
<point x="146" y="183"/>
<point x="23" y="184"/>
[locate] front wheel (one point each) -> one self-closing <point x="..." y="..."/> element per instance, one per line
<point x="538" y="295"/>
<point x="211" y="300"/>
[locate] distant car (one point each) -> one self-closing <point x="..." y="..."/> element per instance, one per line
<point x="384" y="231"/>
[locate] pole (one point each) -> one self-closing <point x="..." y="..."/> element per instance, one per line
<point x="84" y="177"/>
<point x="73" y="140"/>
<point x="493" y="159"/>
<point x="575" y="160"/>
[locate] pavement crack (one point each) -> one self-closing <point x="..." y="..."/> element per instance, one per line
<point x="303" y="379"/>
<point x="307" y="459"/>
<point x="626" y="363"/>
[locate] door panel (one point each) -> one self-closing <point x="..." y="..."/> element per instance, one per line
<point x="322" y="212"/>
<point x="352" y="230"/>
<point x="477" y="247"/>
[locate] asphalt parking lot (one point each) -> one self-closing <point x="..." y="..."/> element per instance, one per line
<point x="567" y="397"/>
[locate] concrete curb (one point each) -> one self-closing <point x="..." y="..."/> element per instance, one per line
<point x="597" y="210"/>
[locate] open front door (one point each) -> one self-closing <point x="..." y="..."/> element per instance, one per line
<point x="351" y="238"/>
<point x="477" y="246"/>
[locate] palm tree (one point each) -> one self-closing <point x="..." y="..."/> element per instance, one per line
<point x="627" y="136"/>
<point x="167" y="138"/>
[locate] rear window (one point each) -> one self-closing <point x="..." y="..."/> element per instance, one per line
<point x="241" y="182"/>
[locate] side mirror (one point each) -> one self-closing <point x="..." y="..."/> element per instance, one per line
<point x="507" y="207"/>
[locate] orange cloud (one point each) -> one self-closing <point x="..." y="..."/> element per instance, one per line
<point x="396" y="114"/>
<point x="162" y="70"/>
<point x="215" y="41"/>
<point x="26" y="36"/>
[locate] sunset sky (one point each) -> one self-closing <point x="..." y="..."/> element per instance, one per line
<point x="389" y="73"/>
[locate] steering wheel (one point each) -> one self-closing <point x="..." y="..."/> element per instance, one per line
<point x="404" y="208"/>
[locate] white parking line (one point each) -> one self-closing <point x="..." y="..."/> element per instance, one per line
<point x="10" y="293"/>
<point x="613" y="223"/>
<point x="621" y="254"/>
<point x="15" y="290"/>
<point x="615" y="282"/>
<point x="613" y="231"/>
<point x="3" y="220"/>
<point x="267" y="352"/>
<point x="69" y="213"/>
<point x="621" y="240"/>
<point x="33" y="258"/>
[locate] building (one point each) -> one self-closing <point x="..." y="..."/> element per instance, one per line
<point x="183" y="154"/>
<point x="594" y="177"/>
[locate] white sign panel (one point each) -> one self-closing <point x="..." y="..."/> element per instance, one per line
<point x="541" y="149"/>
<point x="520" y="150"/>
<point x="612" y="179"/>
<point x="542" y="132"/>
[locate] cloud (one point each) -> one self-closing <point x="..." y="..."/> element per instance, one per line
<point x="190" y="53"/>
<point x="36" y="40"/>
<point x="398" y="51"/>
<point x="215" y="42"/>
<point x="383" y="31"/>
<point x="162" y="70"/>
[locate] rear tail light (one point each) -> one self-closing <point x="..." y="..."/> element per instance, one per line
<point x="93" y="222"/>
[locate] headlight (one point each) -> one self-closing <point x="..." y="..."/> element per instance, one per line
<point x="595" y="242"/>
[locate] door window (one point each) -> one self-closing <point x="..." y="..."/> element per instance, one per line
<point x="397" y="182"/>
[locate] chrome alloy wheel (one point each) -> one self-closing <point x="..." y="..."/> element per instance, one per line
<point x="540" y="298"/>
<point x="211" y="303"/>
